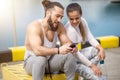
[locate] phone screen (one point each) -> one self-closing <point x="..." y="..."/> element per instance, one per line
<point x="72" y="45"/>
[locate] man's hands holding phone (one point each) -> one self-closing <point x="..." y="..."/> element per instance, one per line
<point x="73" y="45"/>
<point x="74" y="48"/>
<point x="64" y="49"/>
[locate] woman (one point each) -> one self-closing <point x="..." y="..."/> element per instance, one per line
<point x="78" y="31"/>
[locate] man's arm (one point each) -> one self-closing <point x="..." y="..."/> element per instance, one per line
<point x="35" y="38"/>
<point x="63" y="36"/>
<point x="65" y="41"/>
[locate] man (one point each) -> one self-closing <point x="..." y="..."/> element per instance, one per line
<point x="41" y="55"/>
<point x="78" y="31"/>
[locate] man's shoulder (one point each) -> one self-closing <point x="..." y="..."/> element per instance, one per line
<point x="35" y="22"/>
<point x="35" y="25"/>
<point x="60" y="27"/>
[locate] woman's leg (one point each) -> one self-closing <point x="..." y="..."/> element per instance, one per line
<point x="91" y="53"/>
<point x="86" y="72"/>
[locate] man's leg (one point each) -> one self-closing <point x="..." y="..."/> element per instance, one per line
<point x="69" y="66"/>
<point x="64" y="63"/>
<point x="35" y="65"/>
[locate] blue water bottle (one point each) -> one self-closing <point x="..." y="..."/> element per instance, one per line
<point x="104" y="71"/>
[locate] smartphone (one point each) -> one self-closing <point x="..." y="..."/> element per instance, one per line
<point x="73" y="45"/>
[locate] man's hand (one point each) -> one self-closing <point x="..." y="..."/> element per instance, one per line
<point x="74" y="48"/>
<point x="64" y="49"/>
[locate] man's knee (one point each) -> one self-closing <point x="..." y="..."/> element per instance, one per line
<point x="70" y="58"/>
<point x="40" y="60"/>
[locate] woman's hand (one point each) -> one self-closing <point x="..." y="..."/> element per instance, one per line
<point x="96" y="70"/>
<point x="101" y="54"/>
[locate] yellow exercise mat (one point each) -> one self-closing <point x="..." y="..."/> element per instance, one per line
<point x="109" y="41"/>
<point x="16" y="72"/>
<point x="18" y="53"/>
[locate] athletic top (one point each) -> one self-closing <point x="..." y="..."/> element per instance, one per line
<point x="76" y="37"/>
<point x="47" y="43"/>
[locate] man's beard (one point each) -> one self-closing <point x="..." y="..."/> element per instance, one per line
<point x="51" y="26"/>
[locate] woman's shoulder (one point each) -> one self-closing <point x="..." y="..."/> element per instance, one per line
<point x="83" y="19"/>
<point x="67" y="24"/>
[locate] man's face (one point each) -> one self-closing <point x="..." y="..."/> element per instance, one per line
<point x="75" y="18"/>
<point x="55" y="17"/>
<point x="51" y="24"/>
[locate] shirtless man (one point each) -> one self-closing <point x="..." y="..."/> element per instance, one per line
<point x="41" y="54"/>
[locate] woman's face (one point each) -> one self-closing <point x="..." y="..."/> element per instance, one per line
<point x="75" y="18"/>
